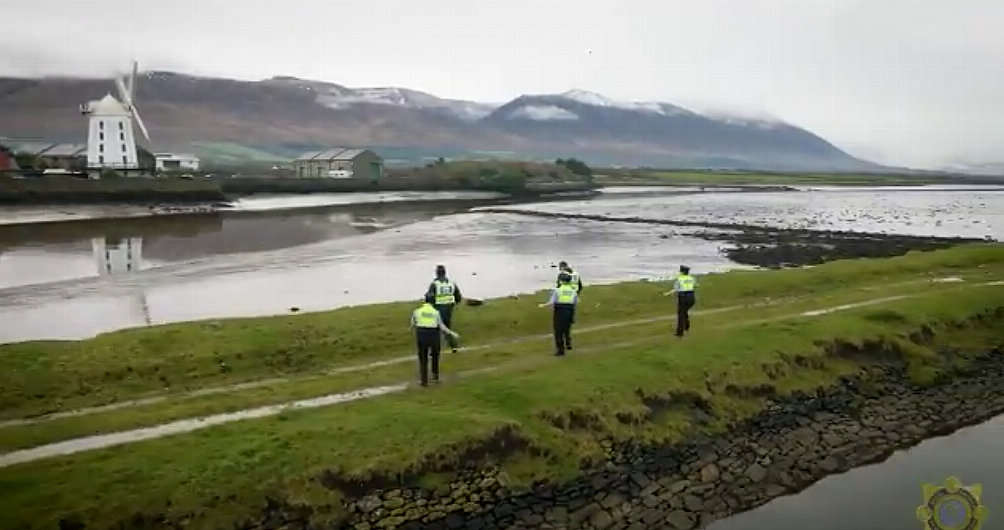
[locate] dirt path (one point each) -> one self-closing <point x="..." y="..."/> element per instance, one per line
<point x="89" y="443"/>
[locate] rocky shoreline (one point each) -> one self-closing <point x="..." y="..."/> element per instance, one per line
<point x="780" y="248"/>
<point x="774" y="248"/>
<point x="795" y="441"/>
<point x="713" y="473"/>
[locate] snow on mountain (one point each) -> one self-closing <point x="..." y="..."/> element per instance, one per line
<point x="340" y="97"/>
<point x="543" y="113"/>
<point x="591" y="98"/>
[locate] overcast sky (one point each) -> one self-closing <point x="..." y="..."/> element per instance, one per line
<point x="912" y="81"/>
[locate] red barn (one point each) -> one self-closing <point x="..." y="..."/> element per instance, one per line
<point x="6" y="160"/>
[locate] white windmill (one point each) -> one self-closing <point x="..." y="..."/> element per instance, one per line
<point x="111" y="140"/>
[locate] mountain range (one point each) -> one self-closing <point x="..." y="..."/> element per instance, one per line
<point x="283" y="115"/>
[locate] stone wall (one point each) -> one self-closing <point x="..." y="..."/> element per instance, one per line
<point x="791" y="444"/>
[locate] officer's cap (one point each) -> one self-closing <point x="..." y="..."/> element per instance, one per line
<point x="430" y="298"/>
<point x="564" y="278"/>
<point x="684" y="269"/>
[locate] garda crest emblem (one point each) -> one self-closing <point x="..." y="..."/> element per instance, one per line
<point x="952" y="506"/>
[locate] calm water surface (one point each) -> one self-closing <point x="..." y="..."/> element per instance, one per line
<point x="886" y="495"/>
<point x="77" y="279"/>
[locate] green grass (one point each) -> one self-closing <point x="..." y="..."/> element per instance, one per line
<point x="42" y="377"/>
<point x="217" y="477"/>
<point x="521" y="354"/>
<point x="709" y="178"/>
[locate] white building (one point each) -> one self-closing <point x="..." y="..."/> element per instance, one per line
<point x="110" y="141"/>
<point x="124" y="255"/>
<point x="176" y="162"/>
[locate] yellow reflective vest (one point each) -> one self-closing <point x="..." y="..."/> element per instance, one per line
<point x="426" y="317"/>
<point x="565" y="294"/>
<point x="444" y="292"/>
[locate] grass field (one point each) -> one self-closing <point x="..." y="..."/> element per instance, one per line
<point x="219" y="476"/>
<point x="722" y="178"/>
<point x="52" y="376"/>
<point x="165" y="408"/>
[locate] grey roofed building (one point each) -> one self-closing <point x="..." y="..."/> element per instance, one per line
<point x="30" y="147"/>
<point x="65" y="150"/>
<point x="340" y="162"/>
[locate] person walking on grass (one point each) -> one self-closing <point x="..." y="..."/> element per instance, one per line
<point x="683" y="287"/>
<point x="447" y="296"/>
<point x="429" y="327"/>
<point x="576" y="280"/>
<point x="563" y="299"/>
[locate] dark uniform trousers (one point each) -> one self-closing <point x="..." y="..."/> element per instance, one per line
<point x="564" y="316"/>
<point x="446" y="313"/>
<point x="428" y="340"/>
<point x="684" y="302"/>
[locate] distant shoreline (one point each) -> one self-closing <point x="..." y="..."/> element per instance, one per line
<point x="21" y="215"/>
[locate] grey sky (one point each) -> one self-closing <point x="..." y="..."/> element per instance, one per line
<point x="916" y="82"/>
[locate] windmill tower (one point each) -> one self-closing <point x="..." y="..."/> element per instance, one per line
<point x="122" y="256"/>
<point x="111" y="139"/>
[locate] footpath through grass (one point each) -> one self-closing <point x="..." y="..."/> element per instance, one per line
<point x="506" y="356"/>
<point x="50" y="376"/>
<point x="217" y="478"/>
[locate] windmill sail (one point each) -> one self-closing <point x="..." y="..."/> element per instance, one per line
<point x="126" y="93"/>
<point x="132" y="81"/>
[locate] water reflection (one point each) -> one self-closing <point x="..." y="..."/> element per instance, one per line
<point x="887" y="495"/>
<point x="122" y="256"/>
<point x="119" y="255"/>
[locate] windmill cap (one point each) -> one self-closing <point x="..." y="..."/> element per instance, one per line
<point x="108" y="106"/>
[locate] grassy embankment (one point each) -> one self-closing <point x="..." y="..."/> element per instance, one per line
<point x="221" y="475"/>
<point x="53" y="189"/>
<point x="643" y="177"/>
<point x="515" y="178"/>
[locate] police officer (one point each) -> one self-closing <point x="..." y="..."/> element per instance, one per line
<point x="684" y="286"/>
<point x="576" y="280"/>
<point x="564" y="299"/>
<point x="447" y="296"/>
<point x="428" y="325"/>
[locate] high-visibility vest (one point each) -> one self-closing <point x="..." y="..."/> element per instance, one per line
<point x="444" y="292"/>
<point x="566" y="295"/>
<point x="575" y="278"/>
<point x="686" y="283"/>
<point x="426" y="317"/>
<point x="574" y="281"/>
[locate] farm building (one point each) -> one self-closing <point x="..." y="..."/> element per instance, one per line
<point x="72" y="157"/>
<point x="7" y="160"/>
<point x="340" y="162"/>
<point x="176" y="162"/>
